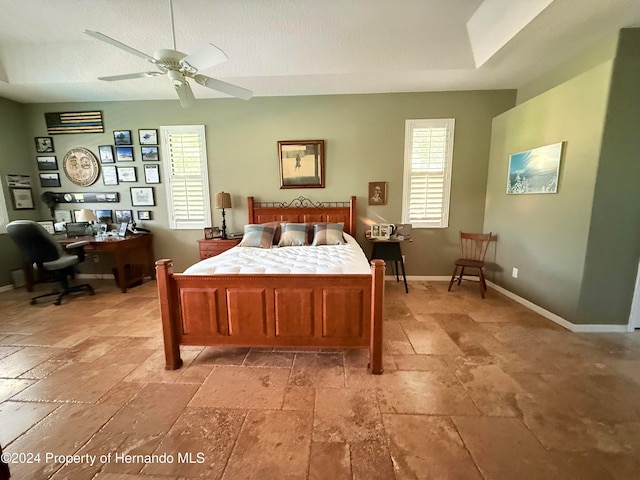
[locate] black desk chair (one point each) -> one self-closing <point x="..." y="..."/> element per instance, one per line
<point x="40" y="249"/>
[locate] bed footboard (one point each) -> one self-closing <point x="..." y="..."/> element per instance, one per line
<point x="340" y="311"/>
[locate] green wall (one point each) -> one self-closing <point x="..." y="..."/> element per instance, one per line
<point x="614" y="237"/>
<point x="545" y="236"/>
<point x="16" y="157"/>
<point x="364" y="137"/>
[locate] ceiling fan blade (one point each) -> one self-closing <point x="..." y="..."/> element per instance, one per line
<point x="223" y="87"/>
<point x="102" y="37"/>
<point x="204" y="58"/>
<point x="184" y="93"/>
<point x="128" y="76"/>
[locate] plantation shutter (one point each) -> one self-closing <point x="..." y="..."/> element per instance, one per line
<point x="427" y="172"/>
<point x="187" y="184"/>
<point x="4" y="216"/>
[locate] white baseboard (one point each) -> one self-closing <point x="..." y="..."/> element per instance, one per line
<point x="6" y="288"/>
<point x="573" y="327"/>
<point x="96" y="276"/>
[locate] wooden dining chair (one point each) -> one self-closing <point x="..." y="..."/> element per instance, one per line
<point x="473" y="248"/>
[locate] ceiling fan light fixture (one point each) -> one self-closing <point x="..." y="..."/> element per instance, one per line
<point x="176" y="78"/>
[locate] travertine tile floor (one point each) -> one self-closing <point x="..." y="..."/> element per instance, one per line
<point x="472" y="389"/>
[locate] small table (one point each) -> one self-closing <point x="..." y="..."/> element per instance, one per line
<point x="211" y="247"/>
<point x="389" y="250"/>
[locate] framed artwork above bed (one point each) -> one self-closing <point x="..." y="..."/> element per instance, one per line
<point x="301" y="163"/>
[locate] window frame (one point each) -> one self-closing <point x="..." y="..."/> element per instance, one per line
<point x="4" y="212"/>
<point x="169" y="178"/>
<point x="410" y="126"/>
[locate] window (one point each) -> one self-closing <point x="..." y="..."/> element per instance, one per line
<point x="428" y="155"/>
<point x="4" y="216"/>
<point x="186" y="178"/>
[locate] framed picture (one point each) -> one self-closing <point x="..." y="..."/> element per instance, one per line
<point x="122" y="137"/>
<point x="44" y="144"/>
<point x="124" y="154"/>
<point x="47" y="163"/>
<point x="535" y="170"/>
<point x="18" y="180"/>
<point x="377" y="193"/>
<point x="110" y="175"/>
<point x="211" y="232"/>
<point x="142" y="196"/>
<point x="49" y="180"/>
<point x="48" y="226"/>
<point x="62" y="216"/>
<point x="301" y="163"/>
<point x="148" y="137"/>
<point x="106" y="153"/>
<point x="150" y="153"/>
<point x="127" y="174"/>
<point x="144" y="214"/>
<point x="124" y="216"/>
<point x="22" y="198"/>
<point x="104" y="216"/>
<point x="122" y="232"/>
<point x="152" y="173"/>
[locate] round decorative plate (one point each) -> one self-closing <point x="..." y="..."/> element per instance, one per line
<point x="81" y="166"/>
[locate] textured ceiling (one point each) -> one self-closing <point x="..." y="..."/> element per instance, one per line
<point x="297" y="47"/>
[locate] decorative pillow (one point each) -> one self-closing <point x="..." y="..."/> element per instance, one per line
<point x="259" y="236"/>
<point x="328" y="234"/>
<point x="276" y="228"/>
<point x="293" y="234"/>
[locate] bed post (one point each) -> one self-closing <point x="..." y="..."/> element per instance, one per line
<point x="250" y="206"/>
<point x="352" y="216"/>
<point x="377" y="306"/>
<point x="166" y="295"/>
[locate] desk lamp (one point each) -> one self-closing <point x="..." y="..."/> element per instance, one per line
<point x="86" y="215"/>
<point x="223" y="200"/>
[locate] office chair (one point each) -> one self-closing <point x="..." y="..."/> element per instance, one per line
<point x="40" y="249"/>
<point x="473" y="248"/>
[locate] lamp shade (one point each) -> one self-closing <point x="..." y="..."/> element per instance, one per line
<point x="223" y="200"/>
<point x="86" y="215"/>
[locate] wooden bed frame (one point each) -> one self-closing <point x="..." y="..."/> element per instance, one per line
<point x="314" y="311"/>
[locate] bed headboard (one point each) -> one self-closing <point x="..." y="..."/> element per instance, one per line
<point x="303" y="210"/>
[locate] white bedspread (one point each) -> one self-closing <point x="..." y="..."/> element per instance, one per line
<point x="325" y="259"/>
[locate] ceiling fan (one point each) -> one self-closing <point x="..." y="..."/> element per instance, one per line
<point x="178" y="66"/>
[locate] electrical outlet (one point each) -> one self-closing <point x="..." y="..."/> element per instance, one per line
<point x="514" y="272"/>
<point x="96" y="259"/>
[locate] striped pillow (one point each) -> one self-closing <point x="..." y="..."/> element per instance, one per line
<point x="258" y="236"/>
<point x="293" y="235"/>
<point x="328" y="234"/>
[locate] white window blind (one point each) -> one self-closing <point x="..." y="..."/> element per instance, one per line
<point x="4" y="216"/>
<point x="187" y="180"/>
<point x="427" y="172"/>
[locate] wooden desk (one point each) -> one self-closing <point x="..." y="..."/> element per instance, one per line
<point x="389" y="250"/>
<point x="134" y="258"/>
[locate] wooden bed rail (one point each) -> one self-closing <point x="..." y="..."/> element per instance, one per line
<point x="317" y="311"/>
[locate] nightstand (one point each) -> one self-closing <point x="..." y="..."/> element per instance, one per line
<point x="215" y="246"/>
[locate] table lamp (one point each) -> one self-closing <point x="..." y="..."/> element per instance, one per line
<point x="223" y="200"/>
<point x="86" y="215"/>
